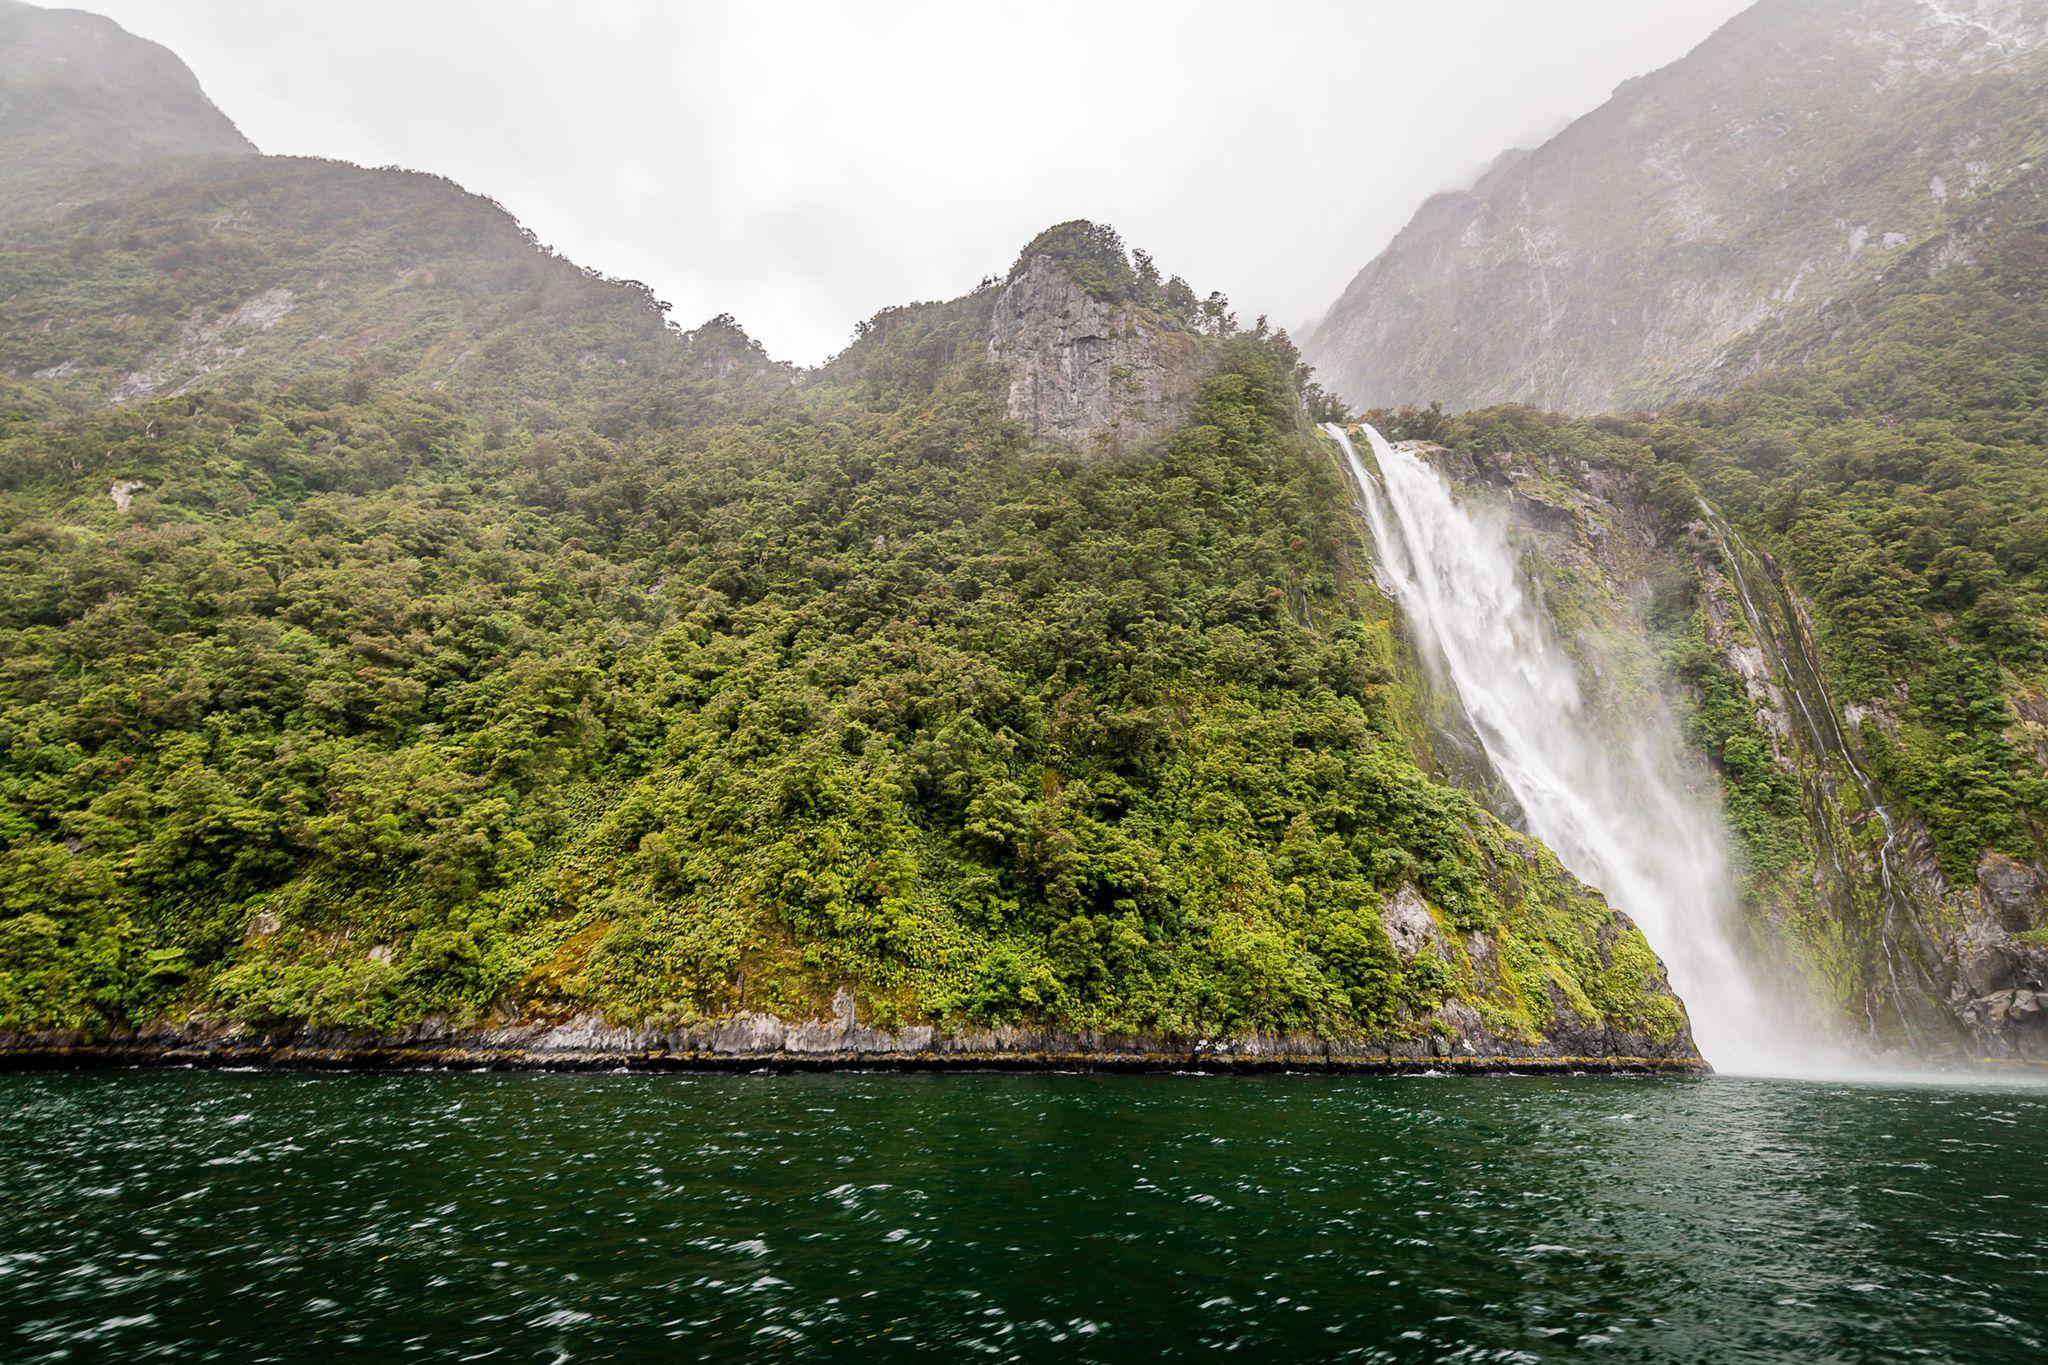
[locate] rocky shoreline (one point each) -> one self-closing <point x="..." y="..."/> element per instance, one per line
<point x="119" y="1056"/>
<point x="758" y="1042"/>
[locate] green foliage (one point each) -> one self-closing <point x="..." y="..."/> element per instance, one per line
<point x="472" y="640"/>
<point x="1094" y="254"/>
<point x="1902" y="481"/>
<point x="1763" y="802"/>
<point x="375" y="706"/>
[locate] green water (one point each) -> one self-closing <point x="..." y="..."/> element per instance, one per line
<point x="184" y="1215"/>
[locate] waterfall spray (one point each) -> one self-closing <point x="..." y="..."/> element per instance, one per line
<point x="1608" y="794"/>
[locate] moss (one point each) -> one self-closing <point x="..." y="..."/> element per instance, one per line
<point x="1631" y="990"/>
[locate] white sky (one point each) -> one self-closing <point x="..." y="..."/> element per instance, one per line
<point x="801" y="164"/>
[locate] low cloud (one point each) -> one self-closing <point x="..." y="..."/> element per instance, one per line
<point x="802" y="165"/>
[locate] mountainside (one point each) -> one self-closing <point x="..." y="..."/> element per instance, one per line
<point x="1712" y="218"/>
<point x="1907" y="905"/>
<point x="267" y="270"/>
<point x="406" y="636"/>
<point x="410" y="637"/>
<point x="77" y="92"/>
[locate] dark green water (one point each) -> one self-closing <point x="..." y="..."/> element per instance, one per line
<point x="1052" y="1217"/>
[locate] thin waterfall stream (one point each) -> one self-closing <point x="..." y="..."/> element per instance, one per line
<point x="1791" y="651"/>
<point x="1608" y="793"/>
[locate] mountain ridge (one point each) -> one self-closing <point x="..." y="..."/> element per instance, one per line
<point x="78" y="83"/>
<point x="1617" y="265"/>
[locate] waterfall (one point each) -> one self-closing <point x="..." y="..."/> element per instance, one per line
<point x="1608" y="793"/>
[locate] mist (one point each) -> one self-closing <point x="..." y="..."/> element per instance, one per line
<point x="802" y="165"/>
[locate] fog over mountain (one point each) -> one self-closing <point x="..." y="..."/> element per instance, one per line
<point x="750" y="159"/>
<point x="1711" y="219"/>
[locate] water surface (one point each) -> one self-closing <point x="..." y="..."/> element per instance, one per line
<point x="185" y="1215"/>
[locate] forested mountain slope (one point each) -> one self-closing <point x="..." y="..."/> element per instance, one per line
<point x="404" y="634"/>
<point x="1711" y="218"/>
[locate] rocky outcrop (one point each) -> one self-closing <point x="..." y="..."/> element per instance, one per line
<point x="722" y="350"/>
<point x="1409" y="925"/>
<point x="1710" y="218"/>
<point x="2001" y="960"/>
<point x="2013" y="895"/>
<point x="1087" y="372"/>
<point x="205" y="345"/>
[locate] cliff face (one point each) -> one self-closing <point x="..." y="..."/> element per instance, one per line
<point x="1085" y="371"/>
<point x="1923" y="959"/>
<point x="1709" y="218"/>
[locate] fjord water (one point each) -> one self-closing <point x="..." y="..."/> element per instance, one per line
<point x="186" y="1215"/>
<point x="1609" y="793"/>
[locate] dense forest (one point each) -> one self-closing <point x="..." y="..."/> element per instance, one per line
<point x="380" y="694"/>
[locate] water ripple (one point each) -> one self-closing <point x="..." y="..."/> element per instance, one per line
<point x="195" y="1215"/>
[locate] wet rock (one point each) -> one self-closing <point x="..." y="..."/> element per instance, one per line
<point x="2012" y="893"/>
<point x="1087" y="372"/>
<point x="1479" y="947"/>
<point x="1454" y="1038"/>
<point x="1409" y="924"/>
<point x="1860" y="714"/>
<point x="1539" y="514"/>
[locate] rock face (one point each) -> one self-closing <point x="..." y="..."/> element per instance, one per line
<point x="1710" y="218"/>
<point x="1409" y="924"/>
<point x="1086" y="372"/>
<point x="2001" y="983"/>
<point x="203" y="346"/>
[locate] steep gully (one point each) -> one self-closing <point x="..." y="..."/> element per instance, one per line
<point x="1786" y="640"/>
<point x="1609" y="794"/>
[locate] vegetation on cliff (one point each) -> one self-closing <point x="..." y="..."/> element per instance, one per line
<point x="443" y="634"/>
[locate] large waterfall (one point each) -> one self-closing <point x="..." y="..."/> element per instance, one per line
<point x="1607" y="792"/>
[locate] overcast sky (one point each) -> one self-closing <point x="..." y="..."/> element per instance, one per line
<point x="801" y="165"/>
